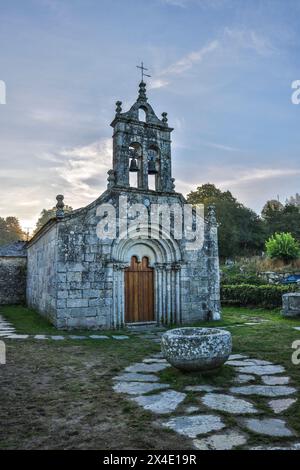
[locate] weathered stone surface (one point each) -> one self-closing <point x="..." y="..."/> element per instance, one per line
<point x="15" y="336"/>
<point x="192" y="409"/>
<point x="141" y="367"/>
<point x="150" y="360"/>
<point x="278" y="406"/>
<point x="261" y="370"/>
<point x="161" y="403"/>
<point x="192" y="426"/>
<point x="291" y="305"/>
<point x="244" y="378"/>
<point x="99" y="337"/>
<point x="264" y="390"/>
<point x="196" y="348"/>
<point x="138" y="388"/>
<point x="248" y="362"/>
<point x="201" y="388"/>
<point x="223" y="441"/>
<point x="268" y="426"/>
<point x="271" y="380"/>
<point x="228" y="403"/>
<point x="135" y="377"/>
<point x="233" y="357"/>
<point x="12" y="274"/>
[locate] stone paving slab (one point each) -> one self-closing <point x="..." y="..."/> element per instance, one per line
<point x="191" y="409"/>
<point x="120" y="337"/>
<point x="264" y="390"/>
<point x="99" y="337"/>
<point x="268" y="426"/>
<point x="138" y="388"/>
<point x="278" y="406"/>
<point x="201" y="388"/>
<point x="78" y="337"/>
<point x="244" y="378"/>
<point x="161" y="403"/>
<point x="248" y="362"/>
<point x="228" y="403"/>
<point x="150" y="360"/>
<point x="233" y="357"/>
<point x="40" y="337"/>
<point x="57" y="338"/>
<point x="296" y="328"/>
<point x="136" y="377"/>
<point x="261" y="370"/>
<point x="141" y="367"/>
<point x="15" y="336"/>
<point x="222" y="441"/>
<point x="271" y="380"/>
<point x="194" y="425"/>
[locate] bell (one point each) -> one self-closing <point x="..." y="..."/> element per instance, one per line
<point x="151" y="167"/>
<point x="133" y="166"/>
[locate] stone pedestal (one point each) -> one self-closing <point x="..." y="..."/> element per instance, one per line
<point x="291" y="305"/>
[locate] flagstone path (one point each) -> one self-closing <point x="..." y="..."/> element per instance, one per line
<point x="206" y="425"/>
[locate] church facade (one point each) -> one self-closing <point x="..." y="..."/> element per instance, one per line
<point x="79" y="278"/>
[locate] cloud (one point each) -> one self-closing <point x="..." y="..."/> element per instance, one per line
<point x="182" y="65"/>
<point x="248" y="39"/>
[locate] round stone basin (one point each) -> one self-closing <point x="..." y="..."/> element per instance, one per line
<point x="196" y="349"/>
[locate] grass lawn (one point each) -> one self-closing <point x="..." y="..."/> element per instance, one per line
<point x="59" y="394"/>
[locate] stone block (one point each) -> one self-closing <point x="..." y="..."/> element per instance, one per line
<point x="291" y="305"/>
<point x="76" y="303"/>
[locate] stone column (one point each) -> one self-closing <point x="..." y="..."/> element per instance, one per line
<point x="214" y="304"/>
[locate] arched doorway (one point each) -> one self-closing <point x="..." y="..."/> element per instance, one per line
<point x="139" y="291"/>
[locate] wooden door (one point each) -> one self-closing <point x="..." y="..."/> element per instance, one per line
<point x="139" y="291"/>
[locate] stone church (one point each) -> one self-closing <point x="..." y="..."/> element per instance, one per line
<point x="80" y="280"/>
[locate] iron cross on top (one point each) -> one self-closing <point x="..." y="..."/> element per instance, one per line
<point x="142" y="71"/>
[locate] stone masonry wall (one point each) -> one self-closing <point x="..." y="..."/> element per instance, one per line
<point x="12" y="280"/>
<point x="41" y="274"/>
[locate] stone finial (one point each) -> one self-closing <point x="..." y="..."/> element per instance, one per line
<point x="118" y="107"/>
<point x="164" y="118"/>
<point x="142" y="92"/>
<point x="111" y="178"/>
<point x="60" y="206"/>
<point x="173" y="184"/>
<point x="211" y="214"/>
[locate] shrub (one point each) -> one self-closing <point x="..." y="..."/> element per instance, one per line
<point x="282" y="246"/>
<point x="264" y="296"/>
<point x="240" y="275"/>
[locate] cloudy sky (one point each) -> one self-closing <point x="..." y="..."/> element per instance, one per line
<point x="222" y="69"/>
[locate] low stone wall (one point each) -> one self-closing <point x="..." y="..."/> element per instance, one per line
<point x="12" y="280"/>
<point x="272" y="277"/>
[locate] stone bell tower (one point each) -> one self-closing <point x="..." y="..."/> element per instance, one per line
<point x="142" y="145"/>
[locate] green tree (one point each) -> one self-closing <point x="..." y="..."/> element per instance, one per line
<point x="283" y="246"/>
<point x="241" y="231"/>
<point x="47" y="214"/>
<point x="279" y="218"/>
<point x="10" y="230"/>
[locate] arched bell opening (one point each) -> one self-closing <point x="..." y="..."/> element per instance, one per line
<point x="135" y="165"/>
<point x="153" y="162"/>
